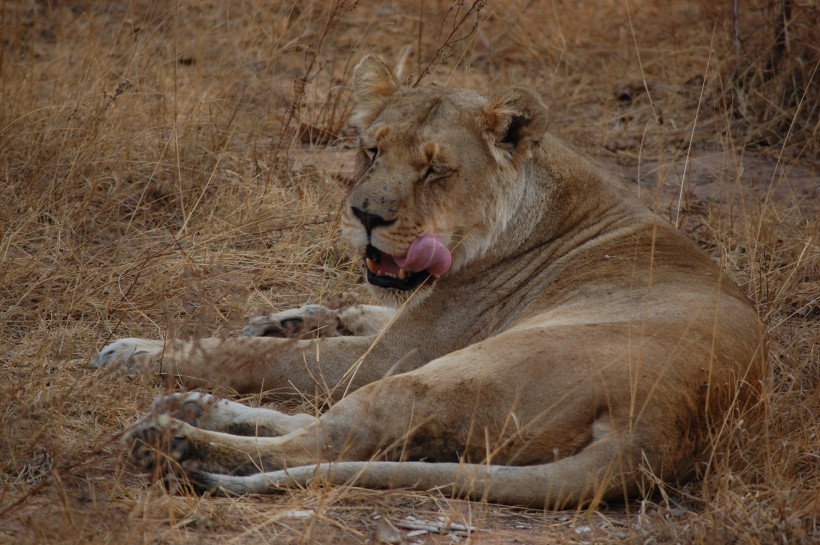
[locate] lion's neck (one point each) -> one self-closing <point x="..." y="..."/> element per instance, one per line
<point x="565" y="201"/>
<point x="567" y="205"/>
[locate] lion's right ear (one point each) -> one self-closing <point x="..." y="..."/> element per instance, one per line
<point x="373" y="85"/>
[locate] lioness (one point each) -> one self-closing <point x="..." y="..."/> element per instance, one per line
<point x="554" y="342"/>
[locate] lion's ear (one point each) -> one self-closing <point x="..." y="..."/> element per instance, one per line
<point x="515" y="117"/>
<point x="373" y="84"/>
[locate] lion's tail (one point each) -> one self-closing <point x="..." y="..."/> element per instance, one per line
<point x="599" y="472"/>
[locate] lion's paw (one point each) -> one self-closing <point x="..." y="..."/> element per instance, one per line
<point x="188" y="407"/>
<point x="158" y="442"/>
<point x="309" y="321"/>
<point x="133" y="355"/>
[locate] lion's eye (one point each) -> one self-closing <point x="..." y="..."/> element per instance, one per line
<point x="436" y="170"/>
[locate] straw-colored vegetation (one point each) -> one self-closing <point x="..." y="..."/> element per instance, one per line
<point x="172" y="168"/>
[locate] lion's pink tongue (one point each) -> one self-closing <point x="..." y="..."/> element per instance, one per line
<point x="427" y="253"/>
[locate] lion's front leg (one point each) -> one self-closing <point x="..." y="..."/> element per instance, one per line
<point x="285" y="367"/>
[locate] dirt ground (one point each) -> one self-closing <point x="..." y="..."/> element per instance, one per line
<point x="174" y="168"/>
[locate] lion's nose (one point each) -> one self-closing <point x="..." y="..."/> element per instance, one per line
<point x="370" y="221"/>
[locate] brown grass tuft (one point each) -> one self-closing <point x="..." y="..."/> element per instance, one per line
<point x="771" y="88"/>
<point x="173" y="166"/>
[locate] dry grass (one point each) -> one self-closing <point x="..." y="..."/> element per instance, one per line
<point x="153" y="177"/>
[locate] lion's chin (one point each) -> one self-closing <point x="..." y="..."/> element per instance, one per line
<point x="396" y="298"/>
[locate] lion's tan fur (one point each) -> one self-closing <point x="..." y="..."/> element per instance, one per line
<point x="578" y="343"/>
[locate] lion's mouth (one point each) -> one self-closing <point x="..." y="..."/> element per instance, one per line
<point x="384" y="272"/>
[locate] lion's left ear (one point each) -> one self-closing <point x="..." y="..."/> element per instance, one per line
<point x="373" y="84"/>
<point x="515" y="117"/>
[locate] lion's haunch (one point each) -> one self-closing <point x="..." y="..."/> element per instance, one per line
<point x="427" y="253"/>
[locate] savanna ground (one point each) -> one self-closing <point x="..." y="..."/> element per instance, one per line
<point x="173" y="168"/>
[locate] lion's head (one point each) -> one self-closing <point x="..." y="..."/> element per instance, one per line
<point x="439" y="174"/>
